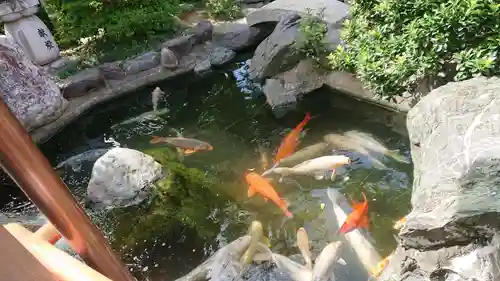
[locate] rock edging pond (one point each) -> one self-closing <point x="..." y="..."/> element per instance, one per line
<point x="452" y="230"/>
<point x="207" y="45"/>
<point x="202" y="48"/>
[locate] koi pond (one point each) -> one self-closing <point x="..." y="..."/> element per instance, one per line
<point x="207" y="205"/>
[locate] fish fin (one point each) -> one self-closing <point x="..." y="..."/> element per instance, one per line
<point x="265" y="241"/>
<point x="189" y="151"/>
<point x="251" y="191"/>
<point x="288" y="214"/>
<point x="334" y="175"/>
<point x="265" y="199"/>
<point x="307" y="118"/>
<point x="400" y="223"/>
<point x="378" y="165"/>
<point x="261" y="257"/>
<point x="181" y="154"/>
<point x="155" y="139"/>
<point x="285" y="203"/>
<point x="395" y="154"/>
<point x="364" y="222"/>
<point x="345" y="228"/>
<point x="319" y="176"/>
<point x="341" y="261"/>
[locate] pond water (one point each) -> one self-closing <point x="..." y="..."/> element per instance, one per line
<point x="226" y="111"/>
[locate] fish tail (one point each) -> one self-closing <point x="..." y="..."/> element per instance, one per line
<point x="285" y="203"/>
<point x="155" y="139"/>
<point x="364" y="196"/>
<point x="306" y="119"/>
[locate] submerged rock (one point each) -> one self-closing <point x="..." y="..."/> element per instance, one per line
<point x="32" y="96"/>
<point x="122" y="177"/>
<point x="452" y="230"/>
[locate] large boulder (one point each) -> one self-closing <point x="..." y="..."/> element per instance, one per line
<point x="452" y="230"/>
<point x="237" y="35"/>
<point x="29" y="92"/>
<point x="122" y="177"/>
<point x="333" y="11"/>
<point x="278" y="53"/>
<point x="275" y="54"/>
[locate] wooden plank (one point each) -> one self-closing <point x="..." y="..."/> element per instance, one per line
<point x="17" y="264"/>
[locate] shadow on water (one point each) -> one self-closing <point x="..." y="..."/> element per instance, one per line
<point x="230" y="114"/>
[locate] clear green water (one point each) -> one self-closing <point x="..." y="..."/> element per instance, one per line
<point x="215" y="109"/>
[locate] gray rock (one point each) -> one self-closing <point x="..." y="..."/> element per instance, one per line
<point x="81" y="83"/>
<point x="250" y="1"/>
<point x="168" y="58"/>
<point x="455" y="130"/>
<point x="202" y="67"/>
<point x="122" y="177"/>
<point x="278" y="97"/>
<point x="284" y="89"/>
<point x="304" y="78"/>
<point x="202" y="31"/>
<point x="220" y="55"/>
<point x="334" y="12"/>
<point x="275" y="53"/>
<point x="142" y="62"/>
<point x="32" y="96"/>
<point x="112" y="70"/>
<point x="237" y="35"/>
<point x="452" y="231"/>
<point x="181" y="45"/>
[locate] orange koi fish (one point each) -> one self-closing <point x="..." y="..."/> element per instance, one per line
<point x="258" y="184"/>
<point x="188" y="145"/>
<point x="357" y="218"/>
<point x="291" y="141"/>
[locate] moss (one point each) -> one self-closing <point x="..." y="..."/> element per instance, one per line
<point x="185" y="198"/>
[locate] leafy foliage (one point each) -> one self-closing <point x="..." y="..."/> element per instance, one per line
<point x="111" y="22"/>
<point x="394" y="45"/>
<point x="312" y="29"/>
<point x="224" y="9"/>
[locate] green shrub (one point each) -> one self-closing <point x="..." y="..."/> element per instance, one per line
<point x="117" y="21"/>
<point x="224" y="9"/>
<point x="393" y="45"/>
<point x="312" y="29"/>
